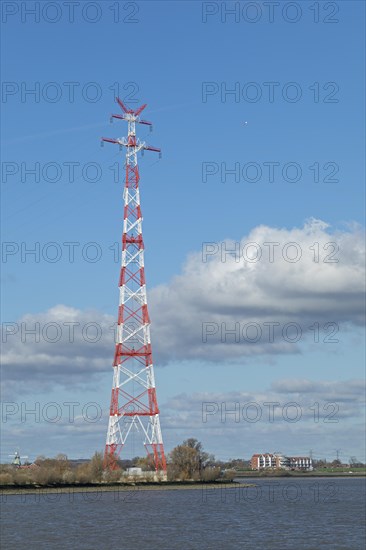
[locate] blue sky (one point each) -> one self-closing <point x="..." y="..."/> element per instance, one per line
<point x="166" y="59"/>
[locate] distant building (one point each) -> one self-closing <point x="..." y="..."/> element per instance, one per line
<point x="134" y="471"/>
<point x="137" y="474"/>
<point x="262" y="461"/>
<point x="300" y="463"/>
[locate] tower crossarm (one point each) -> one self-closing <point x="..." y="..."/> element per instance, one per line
<point x="132" y="143"/>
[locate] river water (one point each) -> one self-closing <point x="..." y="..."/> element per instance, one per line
<point x="301" y="513"/>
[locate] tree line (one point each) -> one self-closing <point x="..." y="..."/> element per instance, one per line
<point x="186" y="462"/>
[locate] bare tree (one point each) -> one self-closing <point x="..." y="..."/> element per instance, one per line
<point x="189" y="460"/>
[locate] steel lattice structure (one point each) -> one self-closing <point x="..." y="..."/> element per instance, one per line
<point x="133" y="404"/>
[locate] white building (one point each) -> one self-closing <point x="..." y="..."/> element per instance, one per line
<point x="262" y="461"/>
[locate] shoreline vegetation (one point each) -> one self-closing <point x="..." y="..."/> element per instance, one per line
<point x="188" y="467"/>
<point x="187" y="462"/>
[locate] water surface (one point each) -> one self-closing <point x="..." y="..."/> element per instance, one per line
<point x="281" y="514"/>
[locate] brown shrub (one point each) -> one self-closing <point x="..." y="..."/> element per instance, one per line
<point x="68" y="477"/>
<point x="83" y="473"/>
<point x="6" y="479"/>
<point x="96" y="467"/>
<point x="210" y="474"/>
<point x="229" y="475"/>
<point x="47" y="476"/>
<point x="22" y="477"/>
<point x="112" y="476"/>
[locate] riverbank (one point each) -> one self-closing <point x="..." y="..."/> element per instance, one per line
<point x="262" y="475"/>
<point x="169" y="485"/>
<point x="116" y="487"/>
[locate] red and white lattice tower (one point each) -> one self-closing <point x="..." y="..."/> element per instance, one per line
<point x="134" y="404"/>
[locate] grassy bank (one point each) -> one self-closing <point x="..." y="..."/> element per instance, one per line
<point x="357" y="472"/>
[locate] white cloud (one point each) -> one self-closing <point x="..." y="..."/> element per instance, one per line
<point x="229" y="289"/>
<point x="62" y="346"/>
<point x="213" y="291"/>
